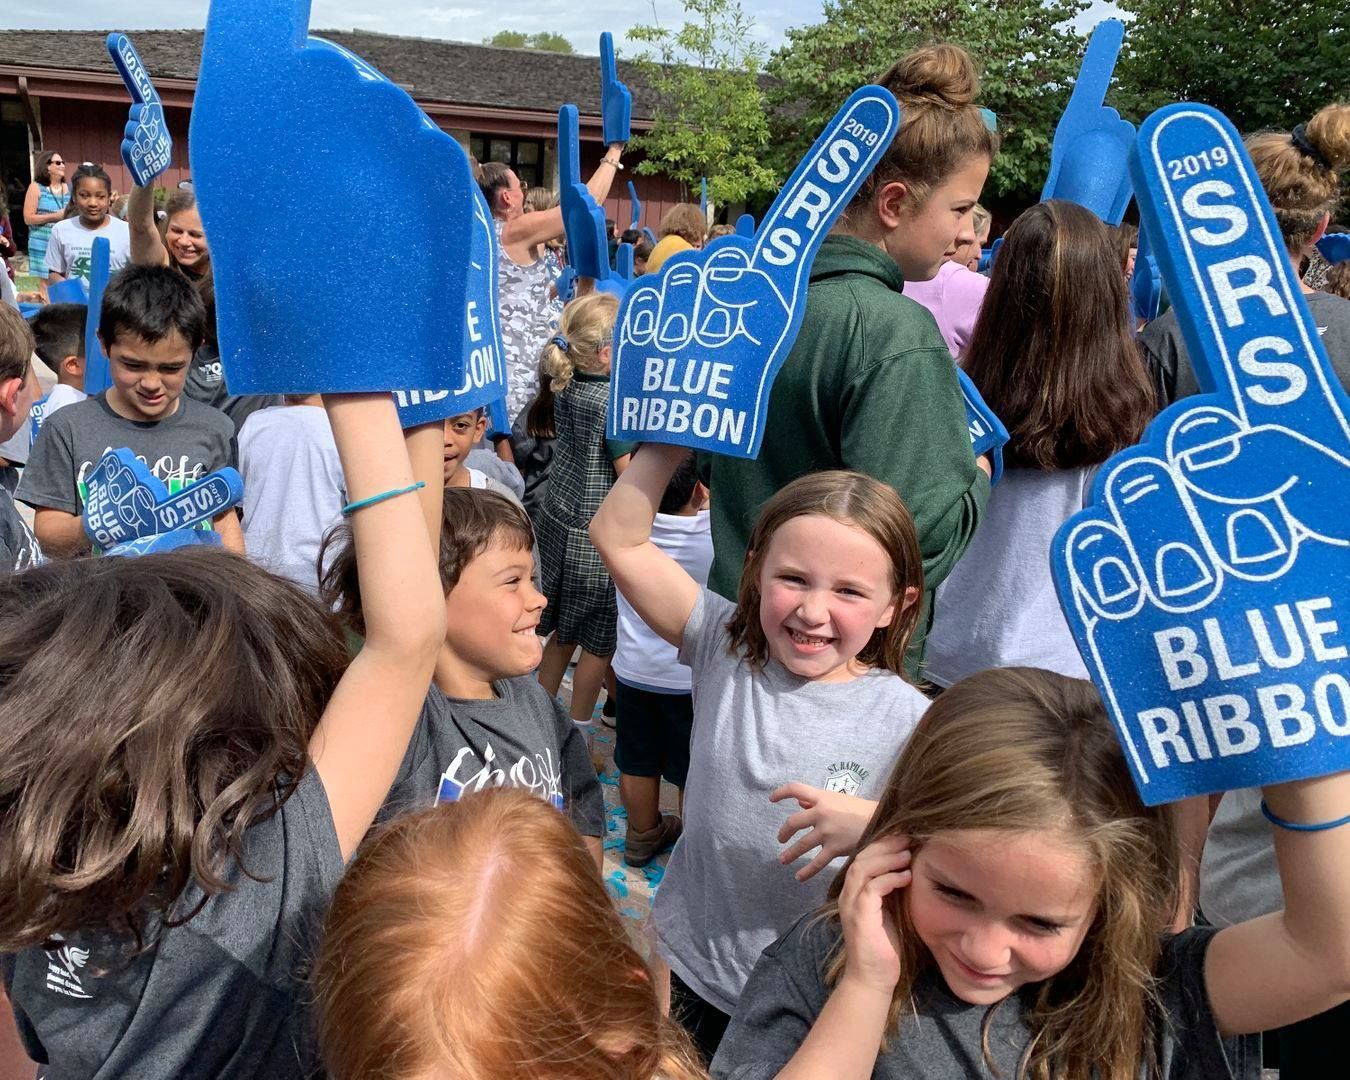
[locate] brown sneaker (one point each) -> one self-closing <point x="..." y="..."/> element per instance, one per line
<point x="640" y="848"/>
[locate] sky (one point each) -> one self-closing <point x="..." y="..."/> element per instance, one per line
<point x="463" y="20"/>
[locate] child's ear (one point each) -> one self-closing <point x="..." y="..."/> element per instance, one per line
<point x="701" y="496"/>
<point x="480" y="429"/>
<point x="9" y="396"/>
<point x="606" y="354"/>
<point x="72" y="366"/>
<point x="910" y="597"/>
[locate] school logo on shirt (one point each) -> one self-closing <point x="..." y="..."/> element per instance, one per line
<point x="63" y="971"/>
<point x="535" y="772"/>
<point x="211" y="372"/>
<point x="845" y="777"/>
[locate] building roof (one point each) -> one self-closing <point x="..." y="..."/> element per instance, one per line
<point x="451" y="72"/>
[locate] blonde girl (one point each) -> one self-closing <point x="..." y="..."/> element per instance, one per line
<point x="475" y="941"/>
<point x="581" y="609"/>
<point x="798" y="680"/>
<point x="1006" y="914"/>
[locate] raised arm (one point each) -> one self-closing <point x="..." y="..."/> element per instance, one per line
<point x="545" y="225"/>
<point x="361" y="739"/>
<point x="660" y="589"/>
<point x="147" y="246"/>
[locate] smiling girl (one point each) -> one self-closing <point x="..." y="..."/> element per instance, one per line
<point x="800" y="679"/>
<point x="1006" y="913"/>
<point x="70" y="249"/>
<point x="869" y="384"/>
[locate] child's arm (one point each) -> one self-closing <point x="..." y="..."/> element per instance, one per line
<point x="364" y="732"/>
<point x="147" y="247"/>
<point x="231" y="535"/>
<point x="1302" y="952"/>
<point x="426" y="447"/>
<point x="61" y="535"/>
<point x="660" y="589"/>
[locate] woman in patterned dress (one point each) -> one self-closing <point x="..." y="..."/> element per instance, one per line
<point x="43" y="206"/>
<point x="581" y="608"/>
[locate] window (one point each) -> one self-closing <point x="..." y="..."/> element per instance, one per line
<point x="525" y="156"/>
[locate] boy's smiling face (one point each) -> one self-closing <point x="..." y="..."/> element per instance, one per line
<point x="147" y="377"/>
<point x="491" y="615"/>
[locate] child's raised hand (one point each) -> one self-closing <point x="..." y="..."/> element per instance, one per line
<point x="834" y="822"/>
<point x="871" y="941"/>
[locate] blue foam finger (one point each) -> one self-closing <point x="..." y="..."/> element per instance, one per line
<point x="1089" y="155"/>
<point x="697" y="346"/>
<point x="623" y="262"/>
<point x="616" y="103"/>
<point x="650" y="236"/>
<point x="567" y="284"/>
<point x="124" y="501"/>
<point x="147" y="148"/>
<point x="703" y="196"/>
<point x="987" y="433"/>
<point x="69" y="291"/>
<point x="1335" y="247"/>
<point x="636" y="205"/>
<point x="161" y="542"/>
<point x="478" y="376"/>
<point x="97" y="374"/>
<point x="583" y="219"/>
<point x="289" y="300"/>
<point x="1205" y="585"/>
<point x="1146" y="281"/>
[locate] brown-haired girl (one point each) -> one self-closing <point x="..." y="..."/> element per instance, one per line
<point x="581" y="608"/>
<point x="187" y="761"/>
<point x="475" y="940"/>
<point x="800" y="679"/>
<point x="1301" y="172"/>
<point x="1006" y="913"/>
<point x="869" y="384"/>
<point x="1053" y="357"/>
<point x="44" y="204"/>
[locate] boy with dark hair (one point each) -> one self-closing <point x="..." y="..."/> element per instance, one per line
<point x="487" y="722"/>
<point x="58" y="330"/>
<point x="18" y="387"/>
<point x="151" y="322"/>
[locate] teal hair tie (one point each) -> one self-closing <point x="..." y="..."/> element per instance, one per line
<point x="361" y="504"/>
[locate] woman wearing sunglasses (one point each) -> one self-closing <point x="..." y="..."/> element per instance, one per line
<point x="44" y="205"/>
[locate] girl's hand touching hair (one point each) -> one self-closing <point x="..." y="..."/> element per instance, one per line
<point x="835" y="822"/>
<point x="871" y="941"/>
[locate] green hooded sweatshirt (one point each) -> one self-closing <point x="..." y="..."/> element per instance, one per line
<point x="870" y="386"/>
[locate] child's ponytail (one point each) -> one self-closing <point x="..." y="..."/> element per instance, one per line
<point x="586" y="328"/>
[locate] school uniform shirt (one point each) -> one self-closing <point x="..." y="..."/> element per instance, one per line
<point x="224" y="995"/>
<point x="725" y="896"/>
<point x="643" y="659"/>
<point x="998" y="607"/>
<point x="953" y="298"/>
<point x="19" y="548"/>
<point x="944" y="1040"/>
<point x="192" y="441"/>
<point x="521" y="737"/>
<point x="1174" y="375"/>
<point x="869" y="385"/>
<point x="294" y="489"/>
<point x="70" y="248"/>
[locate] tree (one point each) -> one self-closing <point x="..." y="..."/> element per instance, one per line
<point x="709" y="118"/>
<point x="1027" y="53"/>
<point x="544" y="39"/>
<point x="1268" y="64"/>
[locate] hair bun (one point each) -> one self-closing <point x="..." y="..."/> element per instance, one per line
<point x="939" y="74"/>
<point x="1329" y="133"/>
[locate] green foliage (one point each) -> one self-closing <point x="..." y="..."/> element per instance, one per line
<point x="1027" y="54"/>
<point x="710" y="116"/>
<point x="544" y="39"/>
<point x="1262" y="63"/>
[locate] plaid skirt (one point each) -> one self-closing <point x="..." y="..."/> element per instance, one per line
<point x="579" y="589"/>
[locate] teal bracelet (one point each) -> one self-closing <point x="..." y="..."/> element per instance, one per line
<point x="361" y="504"/>
<point x="1295" y="826"/>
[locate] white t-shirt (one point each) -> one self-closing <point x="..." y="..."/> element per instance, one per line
<point x="998" y="607"/>
<point x="642" y="659"/>
<point x="293" y="489"/>
<point x="70" y="247"/>
<point x="58" y="399"/>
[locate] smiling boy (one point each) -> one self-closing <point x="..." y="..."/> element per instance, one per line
<point x="151" y="322"/>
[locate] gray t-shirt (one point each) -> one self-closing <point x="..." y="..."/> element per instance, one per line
<point x="195" y="440"/>
<point x="1174" y="377"/>
<point x="942" y="1039"/>
<point x="1239" y="878"/>
<point x="520" y="738"/>
<point x="222" y="996"/>
<point x="206" y="383"/>
<point x="18" y="546"/>
<point x="725" y="895"/>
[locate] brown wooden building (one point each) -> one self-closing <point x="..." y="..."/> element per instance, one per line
<point x="60" y="91"/>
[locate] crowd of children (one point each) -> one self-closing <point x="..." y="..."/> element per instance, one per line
<point x="312" y="801"/>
